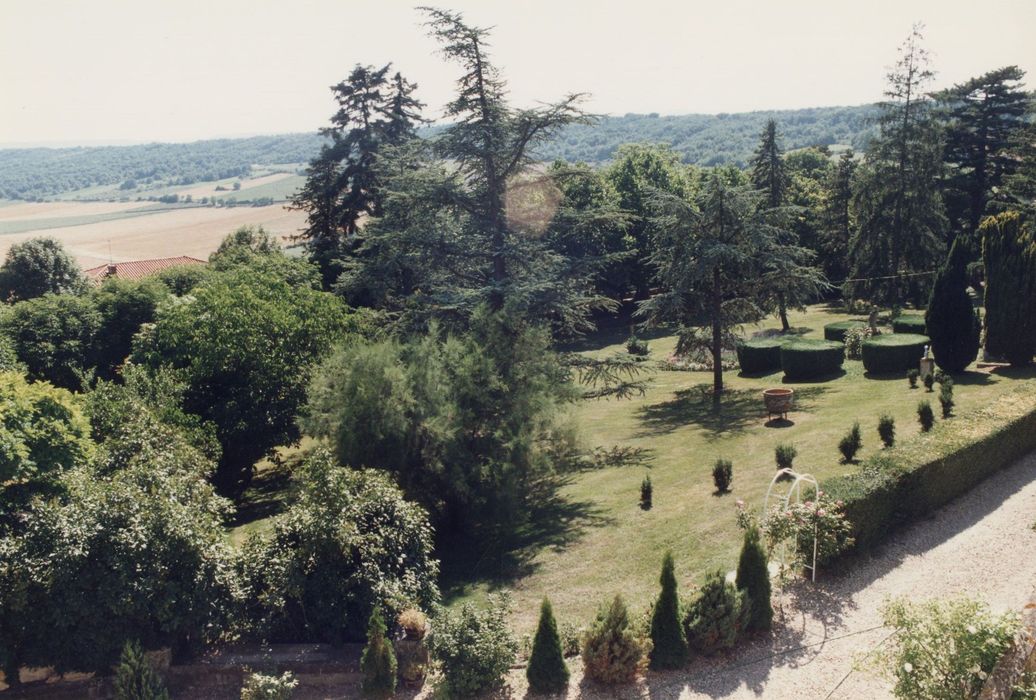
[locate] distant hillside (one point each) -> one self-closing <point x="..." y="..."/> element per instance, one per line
<point x="703" y="139"/>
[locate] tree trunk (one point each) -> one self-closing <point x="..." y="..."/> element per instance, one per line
<point x="717" y="337"/>
<point x="782" y="308"/>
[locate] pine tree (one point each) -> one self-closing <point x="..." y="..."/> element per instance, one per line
<point x="669" y="644"/>
<point x="717" y="616"/>
<point x="135" y="679"/>
<point x="378" y="661"/>
<point x="951" y="320"/>
<point x="546" y="671"/>
<point x="837" y="222"/>
<point x="753" y="577"/>
<point x="1009" y="253"/>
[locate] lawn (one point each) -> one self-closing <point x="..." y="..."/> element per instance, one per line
<point x="602" y="543"/>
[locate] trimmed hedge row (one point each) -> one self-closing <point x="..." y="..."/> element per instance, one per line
<point x="807" y="359"/>
<point x="906" y="482"/>
<point x="760" y="356"/>
<point x="896" y="352"/>
<point x="836" y="331"/>
<point x="909" y="324"/>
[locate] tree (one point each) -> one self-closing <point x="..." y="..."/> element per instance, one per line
<point x="378" y="661"/>
<point x="1009" y="254"/>
<point x="135" y="679"/>
<point x="546" y="671"/>
<point x="124" y="306"/>
<point x="241" y="344"/>
<point x="837" y="219"/>
<point x="669" y="645"/>
<point x="951" y="321"/>
<point x="613" y="652"/>
<point x="39" y="266"/>
<point x="54" y="336"/>
<point x="899" y="211"/>
<point x="753" y="577"/>
<point x="985" y="117"/>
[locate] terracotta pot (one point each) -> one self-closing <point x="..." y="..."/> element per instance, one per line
<point x="778" y="401"/>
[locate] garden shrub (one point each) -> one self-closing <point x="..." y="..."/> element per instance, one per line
<point x="637" y="347"/>
<point x="135" y="678"/>
<point x="944" y="650"/>
<point x="547" y="672"/>
<point x="612" y="651"/>
<point x="259" y="686"/>
<point x="946" y="397"/>
<point x="887" y="430"/>
<point x="929" y="382"/>
<point x="912" y="374"/>
<point x="850" y="444"/>
<point x="473" y="648"/>
<point x="668" y="643"/>
<point x="378" y="661"/>
<point x="760" y="356"/>
<point x="753" y="577"/>
<point x="919" y="475"/>
<point x="836" y="331"/>
<point x="909" y="324"/>
<point x="854" y="341"/>
<point x="717" y="616"/>
<point x="722" y="475"/>
<point x="349" y="543"/>
<point x="809" y="359"/>
<point x="822" y="519"/>
<point x="893" y="352"/>
<point x="785" y="455"/>
<point x="925" y="416"/>
<point x="952" y="322"/>
<point x="646" y="492"/>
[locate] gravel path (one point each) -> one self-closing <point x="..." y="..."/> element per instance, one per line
<point x="982" y="545"/>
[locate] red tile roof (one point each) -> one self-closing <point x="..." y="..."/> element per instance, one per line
<point x="137" y="269"/>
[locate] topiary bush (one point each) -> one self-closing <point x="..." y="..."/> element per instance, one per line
<point x="760" y="356"/>
<point x="952" y="322"/>
<point x="910" y="324"/>
<point x="809" y="359"/>
<point x="753" y="577"/>
<point x="835" y="332"/>
<point x="613" y="652"/>
<point x="925" y="416"/>
<point x="929" y="382"/>
<point x="135" y="678"/>
<point x="785" y="455"/>
<point x="912" y="374"/>
<point x="717" y="616"/>
<point x="722" y="475"/>
<point x="473" y="648"/>
<point x="887" y="430"/>
<point x="893" y="352"/>
<point x="946" y="397"/>
<point x="668" y="643"/>
<point x="646" y="493"/>
<point x="850" y="444"/>
<point x="378" y="661"/>
<point x="547" y="672"/>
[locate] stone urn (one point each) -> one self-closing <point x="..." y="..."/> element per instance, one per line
<point x="778" y="402"/>
<point x="411" y="649"/>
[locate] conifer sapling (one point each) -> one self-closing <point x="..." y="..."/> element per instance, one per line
<point x="669" y="643"/>
<point x="753" y="577"/>
<point x="378" y="662"/>
<point x="546" y="671"/>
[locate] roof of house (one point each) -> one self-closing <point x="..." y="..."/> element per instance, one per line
<point x="137" y="269"/>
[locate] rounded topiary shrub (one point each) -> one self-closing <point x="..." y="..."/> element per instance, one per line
<point x="808" y="359"/>
<point x="760" y="356"/>
<point x="836" y="331"/>
<point x="909" y="324"/>
<point x="897" y="352"/>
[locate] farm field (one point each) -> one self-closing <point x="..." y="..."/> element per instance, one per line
<point x="134" y="230"/>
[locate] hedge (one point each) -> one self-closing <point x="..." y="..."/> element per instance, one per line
<point x="808" y="359"/>
<point x="909" y="324"/>
<point x="760" y="356"/>
<point x="836" y="331"/>
<point x="908" y="481"/>
<point x="896" y="352"/>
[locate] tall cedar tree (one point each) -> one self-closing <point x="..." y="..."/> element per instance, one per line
<point x="837" y="218"/>
<point x="1019" y="191"/>
<point x="985" y="118"/>
<point x="546" y="671"/>
<point x="375" y="111"/>
<point x="952" y="323"/>
<point x="1009" y="254"/>
<point x="794" y="281"/>
<point x="900" y="217"/>
<point x="378" y="661"/>
<point x="669" y="643"/>
<point x="753" y="577"/>
<point x="711" y="260"/>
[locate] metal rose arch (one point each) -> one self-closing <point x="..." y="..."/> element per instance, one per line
<point x="791" y="496"/>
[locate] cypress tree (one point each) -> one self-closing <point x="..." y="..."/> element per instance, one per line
<point x="1009" y="253"/>
<point x="546" y="671"/>
<point x="952" y="323"/>
<point x="669" y="644"/>
<point x="753" y="577"/>
<point x="378" y="662"/>
<point x="135" y="679"/>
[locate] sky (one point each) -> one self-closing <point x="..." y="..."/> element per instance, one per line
<point x="125" y="71"/>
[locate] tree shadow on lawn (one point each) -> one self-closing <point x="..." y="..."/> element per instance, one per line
<point x="270" y="493"/>
<point x="737" y="411"/>
<point x="500" y="557"/>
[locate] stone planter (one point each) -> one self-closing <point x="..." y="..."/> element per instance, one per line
<point x="778" y="402"/>
<point x="412" y="658"/>
<point x="160" y="659"/>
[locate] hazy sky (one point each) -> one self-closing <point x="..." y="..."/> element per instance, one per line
<point x="139" y="70"/>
